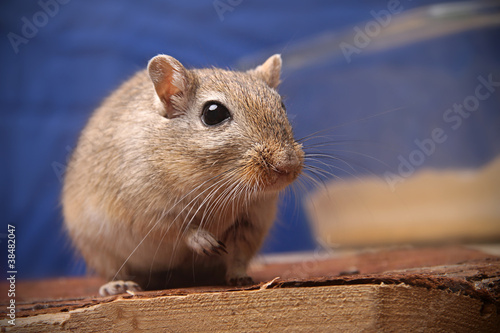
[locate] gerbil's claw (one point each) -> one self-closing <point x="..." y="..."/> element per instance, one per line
<point x="203" y="242"/>
<point x="222" y="247"/>
<point x="205" y="252"/>
<point x="118" y="287"/>
<point x="240" y="281"/>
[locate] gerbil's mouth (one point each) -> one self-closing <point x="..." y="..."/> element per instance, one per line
<point x="279" y="180"/>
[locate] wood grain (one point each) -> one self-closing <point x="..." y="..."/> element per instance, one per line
<point x="460" y="295"/>
<point x="353" y="308"/>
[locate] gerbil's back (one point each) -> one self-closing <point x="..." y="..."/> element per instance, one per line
<point x="95" y="176"/>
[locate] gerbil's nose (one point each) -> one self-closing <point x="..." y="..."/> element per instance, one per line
<point x="274" y="166"/>
<point x="287" y="161"/>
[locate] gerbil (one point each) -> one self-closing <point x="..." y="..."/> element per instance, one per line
<point x="175" y="179"/>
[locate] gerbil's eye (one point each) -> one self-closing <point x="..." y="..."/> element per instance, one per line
<point x="214" y="113"/>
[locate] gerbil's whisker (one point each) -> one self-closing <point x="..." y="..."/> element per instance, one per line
<point x="317" y="175"/>
<point x="157" y="222"/>
<point x="331" y="166"/>
<point x="212" y="190"/>
<point x="329" y="129"/>
<point x="362" y="154"/>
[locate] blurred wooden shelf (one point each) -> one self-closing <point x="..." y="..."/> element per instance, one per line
<point x="432" y="206"/>
<point x="452" y="289"/>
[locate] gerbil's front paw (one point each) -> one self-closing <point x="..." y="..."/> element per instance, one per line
<point x="118" y="287"/>
<point x="240" y="281"/>
<point x="201" y="241"/>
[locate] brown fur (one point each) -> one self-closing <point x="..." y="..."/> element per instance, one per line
<point x="148" y="181"/>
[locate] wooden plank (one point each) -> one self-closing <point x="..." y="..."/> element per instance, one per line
<point x="459" y="297"/>
<point x="352" y="308"/>
<point x="429" y="207"/>
<point x="264" y="268"/>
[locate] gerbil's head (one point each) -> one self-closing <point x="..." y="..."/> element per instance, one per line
<point x="223" y="127"/>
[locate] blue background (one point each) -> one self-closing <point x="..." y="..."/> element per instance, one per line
<point x="374" y="106"/>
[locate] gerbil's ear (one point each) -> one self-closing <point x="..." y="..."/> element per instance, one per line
<point x="170" y="79"/>
<point x="269" y="71"/>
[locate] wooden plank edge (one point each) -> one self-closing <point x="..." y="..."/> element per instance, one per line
<point x="479" y="279"/>
<point x="349" y="308"/>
